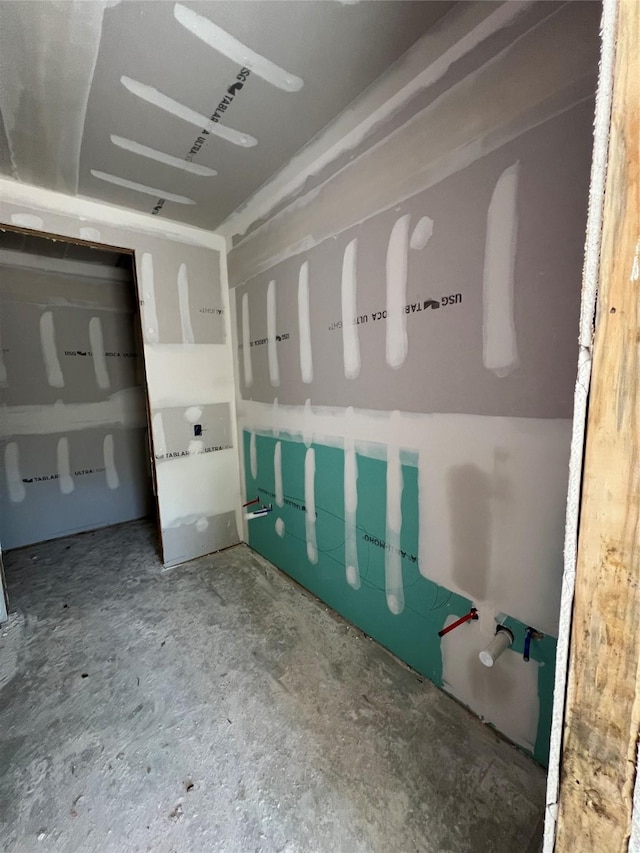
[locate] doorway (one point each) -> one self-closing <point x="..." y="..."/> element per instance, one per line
<point x="74" y="436"/>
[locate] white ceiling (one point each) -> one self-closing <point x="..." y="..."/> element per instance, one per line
<point x="104" y="99"/>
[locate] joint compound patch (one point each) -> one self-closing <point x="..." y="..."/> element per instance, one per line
<point x="231" y="93"/>
<point x="180" y="438"/>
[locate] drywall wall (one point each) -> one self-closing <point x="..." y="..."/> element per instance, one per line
<point x="69" y="339"/>
<point x="181" y="279"/>
<point x="406" y="318"/>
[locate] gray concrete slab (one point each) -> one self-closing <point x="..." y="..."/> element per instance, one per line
<point x="218" y="707"/>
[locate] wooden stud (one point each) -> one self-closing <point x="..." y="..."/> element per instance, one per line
<point x="602" y="721"/>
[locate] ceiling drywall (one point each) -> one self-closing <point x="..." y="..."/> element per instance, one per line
<point x="83" y="85"/>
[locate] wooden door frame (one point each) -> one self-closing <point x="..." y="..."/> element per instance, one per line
<point x="602" y="713"/>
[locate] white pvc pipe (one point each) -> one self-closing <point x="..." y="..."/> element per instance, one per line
<point x="502" y="641"/>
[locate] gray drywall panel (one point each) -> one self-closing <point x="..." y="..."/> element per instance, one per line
<point x="74" y="455"/>
<point x="49" y="289"/>
<point x="186" y="293"/>
<point x="455" y="72"/>
<point x="28" y="380"/>
<point x="55" y="505"/>
<point x="192" y="431"/>
<point x="202" y="537"/>
<point x="337" y="49"/>
<point x="468" y="121"/>
<point x="446" y="341"/>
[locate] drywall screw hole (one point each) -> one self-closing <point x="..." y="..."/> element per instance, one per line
<point x="612" y="311"/>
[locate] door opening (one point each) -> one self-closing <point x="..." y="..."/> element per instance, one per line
<point x="75" y="439"/>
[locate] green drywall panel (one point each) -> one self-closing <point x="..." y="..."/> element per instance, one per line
<point x="542" y="653"/>
<point x="413" y="634"/>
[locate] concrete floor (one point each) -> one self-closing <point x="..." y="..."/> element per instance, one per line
<point x="218" y="707"/>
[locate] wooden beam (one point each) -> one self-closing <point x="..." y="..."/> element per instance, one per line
<point x="602" y="721"/>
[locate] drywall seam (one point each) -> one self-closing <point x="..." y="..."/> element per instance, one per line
<point x="78" y="269"/>
<point x="308" y="419"/>
<point x="468" y="26"/>
<point x="111" y="472"/>
<point x="253" y="456"/>
<point x="304" y="324"/>
<point x="79" y="294"/>
<point x="65" y="480"/>
<point x="183" y="302"/>
<point x="223" y="42"/>
<point x="310" y="504"/>
<point x="96" y="339"/>
<point x="49" y="351"/>
<point x="159" y="437"/>
<point x="140" y="188"/>
<point x="48" y="201"/>
<point x="274" y="411"/>
<point x="15" y="486"/>
<point x="272" y="330"/>
<point x="124" y="408"/>
<point x="246" y="342"/>
<point x="164" y="102"/>
<point x="394" y="584"/>
<point x="148" y="301"/>
<point x="349" y="300"/>
<point x="51" y="142"/>
<point x="499" y="344"/>
<point x="352" y="567"/>
<point x="397" y="268"/>
<point x="422" y="233"/>
<point x="277" y="473"/>
<point x="160" y="157"/>
<point x="591" y="272"/>
<point x="373" y="428"/>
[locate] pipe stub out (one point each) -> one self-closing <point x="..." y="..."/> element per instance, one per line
<point x="502" y="641"/>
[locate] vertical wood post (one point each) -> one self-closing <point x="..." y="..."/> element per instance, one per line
<point x="602" y="721"/>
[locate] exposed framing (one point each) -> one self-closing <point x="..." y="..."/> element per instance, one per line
<point x="602" y="720"/>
